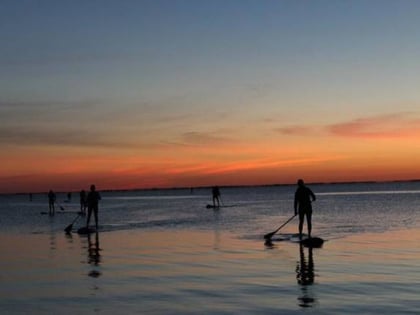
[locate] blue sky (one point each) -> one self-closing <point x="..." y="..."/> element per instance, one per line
<point x="131" y="49"/>
<point x="140" y="74"/>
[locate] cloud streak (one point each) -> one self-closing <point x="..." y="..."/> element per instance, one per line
<point x="398" y="125"/>
<point x="401" y="125"/>
<point x="298" y="130"/>
<point x="25" y="136"/>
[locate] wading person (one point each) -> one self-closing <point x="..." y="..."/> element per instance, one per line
<point x="51" y="202"/>
<point x="303" y="205"/>
<point x="216" y="196"/>
<point x="92" y="200"/>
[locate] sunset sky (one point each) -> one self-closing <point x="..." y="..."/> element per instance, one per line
<point x="141" y="94"/>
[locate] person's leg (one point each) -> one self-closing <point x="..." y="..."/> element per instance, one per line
<point x="88" y="216"/>
<point x="309" y="222"/>
<point x="96" y="216"/>
<point x="301" y="219"/>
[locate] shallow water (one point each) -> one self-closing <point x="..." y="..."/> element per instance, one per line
<point x="163" y="252"/>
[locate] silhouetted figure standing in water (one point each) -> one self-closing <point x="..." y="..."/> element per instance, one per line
<point x="216" y="196"/>
<point x="92" y="200"/>
<point x="51" y="202"/>
<point x="69" y="196"/>
<point x="303" y="205"/>
<point x="83" y="201"/>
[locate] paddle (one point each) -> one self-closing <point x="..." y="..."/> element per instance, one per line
<point x="221" y="201"/>
<point x="270" y="235"/>
<point x="70" y="226"/>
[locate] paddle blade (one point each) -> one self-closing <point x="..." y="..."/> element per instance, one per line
<point x="268" y="236"/>
<point x="68" y="228"/>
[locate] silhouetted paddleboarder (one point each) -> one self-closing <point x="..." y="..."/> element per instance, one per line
<point x="216" y="196"/>
<point x="51" y="202"/>
<point x="303" y="205"/>
<point x="92" y="200"/>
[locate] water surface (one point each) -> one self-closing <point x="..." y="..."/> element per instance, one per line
<point x="163" y="252"/>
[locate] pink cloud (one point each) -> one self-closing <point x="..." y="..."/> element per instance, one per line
<point x="297" y="130"/>
<point x="399" y="125"/>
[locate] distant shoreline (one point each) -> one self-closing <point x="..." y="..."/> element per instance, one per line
<point x="226" y="186"/>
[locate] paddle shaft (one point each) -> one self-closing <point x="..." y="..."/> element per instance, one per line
<point x="269" y="235"/>
<point x="69" y="227"/>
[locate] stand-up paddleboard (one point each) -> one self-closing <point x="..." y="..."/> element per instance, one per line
<point x="85" y="230"/>
<point x="63" y="212"/>
<point x="56" y="212"/>
<point x="212" y="207"/>
<point x="209" y="206"/>
<point x="314" y="242"/>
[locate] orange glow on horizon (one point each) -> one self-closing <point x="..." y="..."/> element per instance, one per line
<point x="268" y="160"/>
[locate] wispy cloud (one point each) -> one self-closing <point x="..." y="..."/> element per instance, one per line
<point x="68" y="59"/>
<point x="398" y="125"/>
<point x="199" y="139"/>
<point x="202" y="138"/>
<point x="298" y="130"/>
<point x="44" y="111"/>
<point x="66" y="137"/>
<point x="272" y="163"/>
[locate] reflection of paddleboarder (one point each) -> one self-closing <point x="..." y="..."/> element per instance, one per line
<point x="305" y="276"/>
<point x="94" y="257"/>
<point x="305" y="268"/>
<point x="83" y="201"/>
<point x="216" y="196"/>
<point x="92" y="200"/>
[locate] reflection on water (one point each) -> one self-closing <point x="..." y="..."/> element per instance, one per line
<point x="305" y="277"/>
<point x="94" y="256"/>
<point x="216" y="229"/>
<point x="53" y="241"/>
<point x="69" y="238"/>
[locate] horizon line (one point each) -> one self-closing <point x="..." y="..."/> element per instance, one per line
<point x="232" y="186"/>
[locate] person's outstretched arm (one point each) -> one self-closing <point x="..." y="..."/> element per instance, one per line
<point x="312" y="195"/>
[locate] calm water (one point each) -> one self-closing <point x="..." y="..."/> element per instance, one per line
<point x="163" y="252"/>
